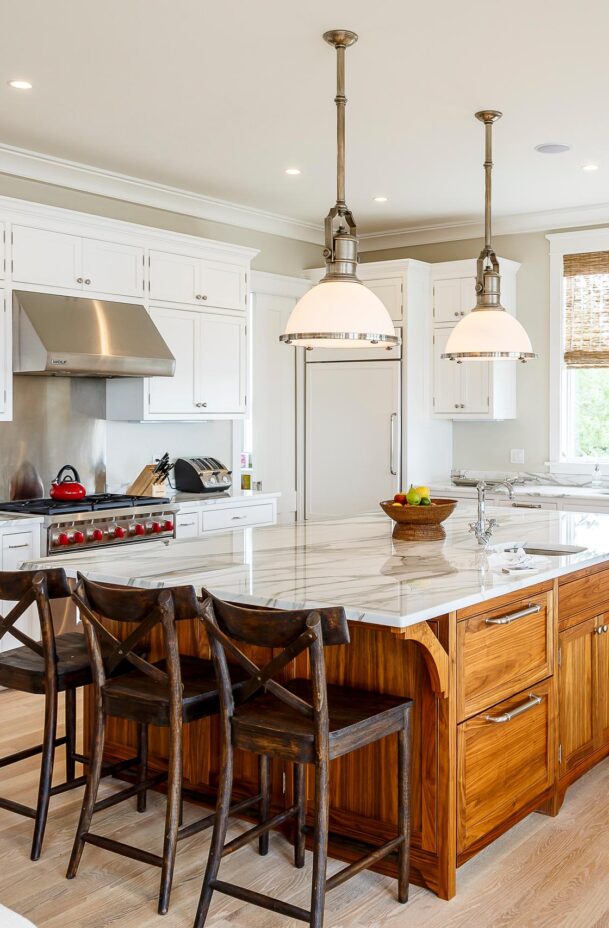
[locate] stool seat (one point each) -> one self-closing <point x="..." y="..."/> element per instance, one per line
<point x="350" y="713"/>
<point x="135" y="696"/>
<point x="24" y="670"/>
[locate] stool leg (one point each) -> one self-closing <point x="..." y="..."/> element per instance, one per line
<point x="264" y="787"/>
<point x="142" y="753"/>
<point x="404" y="808"/>
<point x="320" y="850"/>
<point x="46" y="765"/>
<point x="219" y="833"/>
<point x="91" y="789"/>
<point x="172" y="816"/>
<point x="70" y="697"/>
<point x="301" y="800"/>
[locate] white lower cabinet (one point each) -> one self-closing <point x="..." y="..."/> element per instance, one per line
<point x="210" y="350"/>
<point x="17" y="546"/>
<point x="196" y="522"/>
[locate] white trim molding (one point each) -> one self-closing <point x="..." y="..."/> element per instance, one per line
<point x="90" y="179"/>
<point x="278" y="284"/>
<point x="565" y="243"/>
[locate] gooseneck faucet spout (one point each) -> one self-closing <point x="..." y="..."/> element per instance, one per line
<point x="482" y="527"/>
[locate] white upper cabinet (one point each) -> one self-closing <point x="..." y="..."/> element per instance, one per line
<point x="389" y="291"/>
<point x="482" y="390"/>
<point x="113" y="268"/>
<point x="71" y="262"/>
<point x="179" y="278"/>
<point x="221" y="366"/>
<point x="51" y="259"/>
<point x="175" y="395"/>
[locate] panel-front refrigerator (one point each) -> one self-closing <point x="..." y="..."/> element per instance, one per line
<point x="352" y="436"/>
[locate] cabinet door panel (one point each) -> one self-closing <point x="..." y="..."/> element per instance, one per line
<point x="6" y="361"/>
<point x="220" y="365"/>
<point x="468" y="294"/>
<point x="475" y="386"/>
<point x="447" y="377"/>
<point x="447" y="300"/>
<point x="113" y="268"/>
<point x="174" y="278"/>
<point x="389" y="292"/>
<point x="18" y="547"/>
<point x="222" y="285"/>
<point x="47" y="258"/>
<point x="577" y="703"/>
<point x="601" y="683"/>
<point x="176" y="394"/>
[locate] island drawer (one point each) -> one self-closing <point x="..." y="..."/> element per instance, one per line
<point x="505" y="762"/>
<point x="502" y="650"/>
<point x="237" y="517"/>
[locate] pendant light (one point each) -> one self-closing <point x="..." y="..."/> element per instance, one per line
<point x="340" y="310"/>
<point x="488" y="331"/>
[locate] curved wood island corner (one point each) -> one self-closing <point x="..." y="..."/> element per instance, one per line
<point x="509" y="673"/>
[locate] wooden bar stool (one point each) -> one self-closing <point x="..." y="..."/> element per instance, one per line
<point x="55" y="664"/>
<point x="302" y="721"/>
<point x="167" y="693"/>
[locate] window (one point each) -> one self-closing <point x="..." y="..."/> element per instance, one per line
<point x="585" y="356"/>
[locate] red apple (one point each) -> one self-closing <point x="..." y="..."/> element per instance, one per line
<point x="400" y="498"/>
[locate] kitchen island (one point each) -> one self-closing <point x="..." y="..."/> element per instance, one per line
<point x="509" y="672"/>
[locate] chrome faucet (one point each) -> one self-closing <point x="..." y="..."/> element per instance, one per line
<point x="482" y="527"/>
<point x="507" y="485"/>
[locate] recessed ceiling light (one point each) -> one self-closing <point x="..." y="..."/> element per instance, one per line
<point x="590" y="167"/>
<point x="380" y="199"/>
<point x="292" y="171"/>
<point x="552" y="148"/>
<point x="20" y="85"/>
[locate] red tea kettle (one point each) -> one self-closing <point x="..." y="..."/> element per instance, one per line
<point x="66" y="486"/>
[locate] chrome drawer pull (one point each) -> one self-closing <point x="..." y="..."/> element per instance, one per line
<point x="527" y="505"/>
<point x="26" y="545"/>
<point x="531" y="702"/>
<point x="238" y="518"/>
<point x="508" y="619"/>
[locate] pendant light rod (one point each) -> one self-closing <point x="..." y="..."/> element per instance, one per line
<point x="341" y="39"/>
<point x="488" y="117"/>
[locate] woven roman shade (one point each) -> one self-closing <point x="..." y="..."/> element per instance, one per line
<point x="586" y="307"/>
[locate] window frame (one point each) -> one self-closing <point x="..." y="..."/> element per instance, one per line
<point x="561" y="401"/>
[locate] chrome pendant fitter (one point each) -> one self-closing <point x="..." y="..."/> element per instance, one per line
<point x="341" y="310"/>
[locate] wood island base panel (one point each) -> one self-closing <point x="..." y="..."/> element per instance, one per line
<point x="510" y="686"/>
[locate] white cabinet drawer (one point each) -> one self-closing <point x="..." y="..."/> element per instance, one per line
<point x="17" y="547"/>
<point x="236" y="517"/>
<point x="187" y="525"/>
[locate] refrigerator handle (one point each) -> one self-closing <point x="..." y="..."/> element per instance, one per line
<point x="392" y="420"/>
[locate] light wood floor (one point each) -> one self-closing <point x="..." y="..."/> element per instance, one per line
<point x="544" y="872"/>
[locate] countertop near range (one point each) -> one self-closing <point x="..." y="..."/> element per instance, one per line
<point x="10" y="519"/>
<point x="184" y="500"/>
<point x="353" y="563"/>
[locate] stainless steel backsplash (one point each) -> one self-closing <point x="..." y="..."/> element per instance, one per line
<point x="56" y="421"/>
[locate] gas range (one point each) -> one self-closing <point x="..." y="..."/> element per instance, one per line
<point x="98" y="521"/>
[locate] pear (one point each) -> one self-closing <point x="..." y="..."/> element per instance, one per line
<point x="412" y="497"/>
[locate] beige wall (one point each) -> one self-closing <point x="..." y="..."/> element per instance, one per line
<point x="277" y="255"/>
<point x="486" y="445"/>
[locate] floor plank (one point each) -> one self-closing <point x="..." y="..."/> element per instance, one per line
<point x="543" y="873"/>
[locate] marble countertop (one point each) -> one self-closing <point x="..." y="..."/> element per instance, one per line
<point x="550" y="490"/>
<point x="8" y="519"/>
<point x="352" y="562"/>
<point x="236" y="498"/>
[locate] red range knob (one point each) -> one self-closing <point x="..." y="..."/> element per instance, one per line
<point x="97" y="534"/>
<point x="156" y="527"/>
<point x="62" y="539"/>
<point x="78" y="538"/>
<point x="140" y="529"/>
<point x="168" y="525"/>
<point x="119" y="531"/>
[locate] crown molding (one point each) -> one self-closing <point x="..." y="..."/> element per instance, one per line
<point x="63" y="173"/>
<point x="544" y="221"/>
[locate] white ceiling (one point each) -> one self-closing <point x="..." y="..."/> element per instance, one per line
<point x="219" y="98"/>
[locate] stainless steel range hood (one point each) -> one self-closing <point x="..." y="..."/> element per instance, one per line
<point x="80" y="337"/>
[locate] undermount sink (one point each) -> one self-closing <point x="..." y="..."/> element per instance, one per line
<point x="557" y="550"/>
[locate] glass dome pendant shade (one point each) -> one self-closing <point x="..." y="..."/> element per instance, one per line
<point x="488" y="332"/>
<point x="340" y="310"/>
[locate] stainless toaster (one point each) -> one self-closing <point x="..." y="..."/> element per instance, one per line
<point x="201" y="475"/>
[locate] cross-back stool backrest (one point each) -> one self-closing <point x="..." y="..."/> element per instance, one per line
<point x="145" y="609"/>
<point x="294" y="631"/>
<point x="24" y="588"/>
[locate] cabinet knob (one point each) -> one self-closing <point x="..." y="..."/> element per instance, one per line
<point x="462" y="313"/>
<point x="201" y="296"/>
<point x="456" y="405"/>
<point x="79" y="280"/>
<point x="87" y="280"/>
<point x="204" y="405"/>
<point x="456" y="314"/>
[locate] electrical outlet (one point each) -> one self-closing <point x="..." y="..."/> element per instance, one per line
<point x="517" y="456"/>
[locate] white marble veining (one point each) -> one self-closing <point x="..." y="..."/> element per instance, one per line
<point x="240" y="498"/>
<point x="535" y="490"/>
<point x="353" y="563"/>
<point x="8" y="519"/>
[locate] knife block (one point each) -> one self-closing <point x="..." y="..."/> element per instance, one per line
<point x="144" y="485"/>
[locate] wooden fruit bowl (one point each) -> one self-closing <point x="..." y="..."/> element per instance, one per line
<point x="419" y="523"/>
